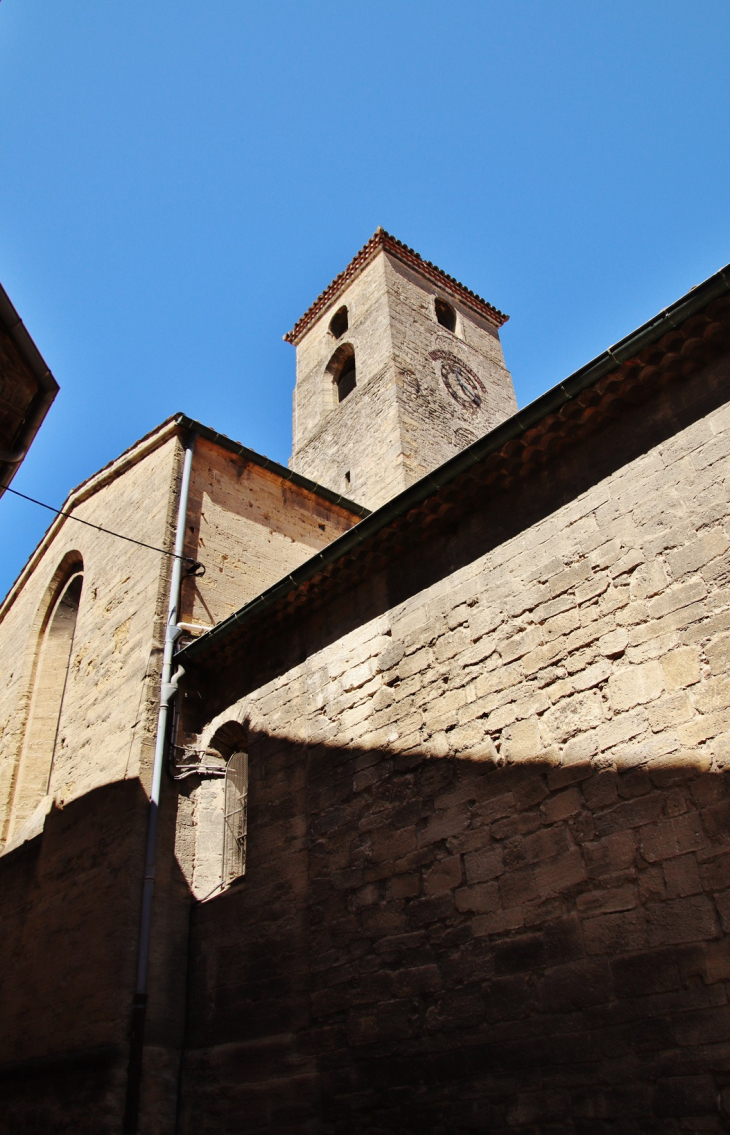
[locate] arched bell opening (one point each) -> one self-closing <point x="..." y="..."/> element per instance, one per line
<point x="342" y="371"/>
<point x="445" y="314"/>
<point x="339" y="323"/>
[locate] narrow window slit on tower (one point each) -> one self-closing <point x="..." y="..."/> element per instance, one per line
<point x="339" y="323"/>
<point x="445" y="314"/>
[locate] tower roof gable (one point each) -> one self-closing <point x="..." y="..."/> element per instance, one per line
<point x="383" y="240"/>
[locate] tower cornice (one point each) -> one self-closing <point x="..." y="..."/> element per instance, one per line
<point x="381" y="240"/>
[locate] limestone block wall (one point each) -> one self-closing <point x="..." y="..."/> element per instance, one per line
<point x="488" y="880"/>
<point x="245" y="524"/>
<point x="358" y="451"/>
<point x="69" y="905"/>
<point x="361" y="435"/>
<point x="366" y="299"/>
<point x="423" y="393"/>
<point x="48" y="687"/>
<point x="249" y="528"/>
<point x="109" y="701"/>
<point x="442" y="409"/>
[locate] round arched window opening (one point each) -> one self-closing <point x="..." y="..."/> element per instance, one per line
<point x="445" y="314"/>
<point x="342" y="370"/>
<point x="339" y="323"/>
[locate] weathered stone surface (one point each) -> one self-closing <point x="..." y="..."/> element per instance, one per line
<point x="553" y="904"/>
<point x="400" y="421"/>
<point x="487" y="866"/>
<point x="249" y="526"/>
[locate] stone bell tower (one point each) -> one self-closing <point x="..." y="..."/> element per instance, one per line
<point x="398" y="368"/>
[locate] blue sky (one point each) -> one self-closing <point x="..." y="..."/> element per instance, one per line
<point x="180" y="180"/>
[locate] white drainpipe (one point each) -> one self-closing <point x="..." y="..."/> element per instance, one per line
<point x="168" y="689"/>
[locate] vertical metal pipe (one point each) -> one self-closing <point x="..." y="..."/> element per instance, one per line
<point x="168" y="688"/>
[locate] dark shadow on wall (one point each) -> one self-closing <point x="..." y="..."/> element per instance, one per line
<point x="480" y="524"/>
<point x="69" y="913"/>
<point x="448" y="945"/>
<point x="419" y="943"/>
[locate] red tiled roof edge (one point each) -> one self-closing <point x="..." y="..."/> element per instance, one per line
<point x="382" y="239"/>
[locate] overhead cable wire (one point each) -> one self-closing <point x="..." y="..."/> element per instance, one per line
<point x="195" y="565"/>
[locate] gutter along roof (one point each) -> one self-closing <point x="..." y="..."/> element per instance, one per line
<point x="14" y="447"/>
<point x="161" y="433"/>
<point x="272" y="466"/>
<point x="670" y="344"/>
<point x="137" y="452"/>
<point x="383" y="240"/>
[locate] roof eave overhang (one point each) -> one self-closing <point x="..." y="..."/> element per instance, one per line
<point x="508" y="433"/>
<point x="383" y="241"/>
<point x="281" y="471"/>
<point x="175" y="425"/>
<point x="47" y="388"/>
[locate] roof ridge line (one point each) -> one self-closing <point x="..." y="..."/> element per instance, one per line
<point x="525" y="419"/>
<point x="389" y="243"/>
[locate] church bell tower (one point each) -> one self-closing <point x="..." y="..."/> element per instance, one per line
<point x="398" y="368"/>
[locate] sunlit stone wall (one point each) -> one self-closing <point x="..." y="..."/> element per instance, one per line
<point x="423" y="392"/>
<point x="489" y="836"/>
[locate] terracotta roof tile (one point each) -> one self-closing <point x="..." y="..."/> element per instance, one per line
<point x="383" y="240"/>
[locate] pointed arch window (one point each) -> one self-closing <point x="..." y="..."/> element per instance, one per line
<point x="235" y="817"/>
<point x="50" y="680"/>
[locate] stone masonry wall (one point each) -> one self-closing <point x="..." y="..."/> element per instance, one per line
<point x="67" y="891"/>
<point x="109" y="693"/>
<point x="410" y="410"/>
<point x="438" y="417"/>
<point x="69" y="905"/>
<point x="249" y="528"/>
<point x="245" y="524"/>
<point x="71" y="886"/>
<point x="488" y="881"/>
<point x="361" y="435"/>
<point x="366" y="301"/>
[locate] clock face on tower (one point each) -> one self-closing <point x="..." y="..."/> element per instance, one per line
<point x="464" y="386"/>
